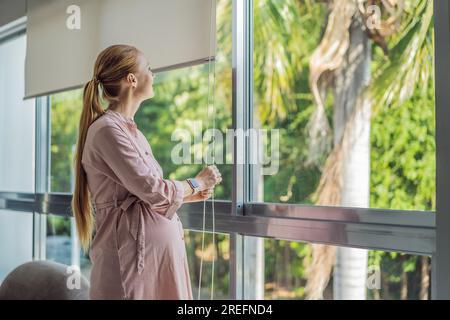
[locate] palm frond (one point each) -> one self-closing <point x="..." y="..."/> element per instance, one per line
<point x="408" y="62"/>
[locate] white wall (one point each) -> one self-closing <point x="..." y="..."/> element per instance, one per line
<point x="16" y="154"/>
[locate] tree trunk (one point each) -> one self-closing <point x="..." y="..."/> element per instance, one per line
<point x="425" y="278"/>
<point x="352" y="108"/>
<point x="403" y="280"/>
<point x="254" y="246"/>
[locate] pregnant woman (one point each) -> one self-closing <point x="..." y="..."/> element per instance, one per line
<point x="138" y="249"/>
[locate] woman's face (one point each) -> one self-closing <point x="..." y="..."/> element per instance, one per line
<point x="144" y="89"/>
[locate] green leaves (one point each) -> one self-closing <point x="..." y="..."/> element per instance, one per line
<point x="403" y="155"/>
<point x="410" y="60"/>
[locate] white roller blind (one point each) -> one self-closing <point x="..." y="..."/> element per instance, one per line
<point x="171" y="33"/>
<point x="11" y="10"/>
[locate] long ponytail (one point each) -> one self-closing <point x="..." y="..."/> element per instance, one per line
<point x="81" y="204"/>
<point x="112" y="64"/>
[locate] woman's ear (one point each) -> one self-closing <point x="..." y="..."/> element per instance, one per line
<point x="131" y="78"/>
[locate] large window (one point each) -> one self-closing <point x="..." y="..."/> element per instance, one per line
<point x="341" y="202"/>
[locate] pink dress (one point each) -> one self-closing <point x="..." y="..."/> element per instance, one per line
<point x="138" y="250"/>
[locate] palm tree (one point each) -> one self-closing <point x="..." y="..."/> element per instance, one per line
<point x="349" y="65"/>
<point x="342" y="61"/>
<point x="345" y="179"/>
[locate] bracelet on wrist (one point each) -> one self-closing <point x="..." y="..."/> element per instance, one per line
<point x="192" y="187"/>
<point x="194" y="184"/>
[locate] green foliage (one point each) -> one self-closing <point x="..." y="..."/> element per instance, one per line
<point x="64" y="114"/>
<point x="403" y="155"/>
<point x="57" y="225"/>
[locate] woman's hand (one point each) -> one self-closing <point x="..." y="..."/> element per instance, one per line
<point x="199" y="196"/>
<point x="208" y="177"/>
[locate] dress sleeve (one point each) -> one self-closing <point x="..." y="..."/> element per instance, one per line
<point x="164" y="196"/>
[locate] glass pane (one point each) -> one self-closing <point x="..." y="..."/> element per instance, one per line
<point x="179" y="114"/>
<point x="16" y="120"/>
<point x="353" y="106"/>
<point x="62" y="244"/>
<point x="296" y="270"/>
<point x="16" y="240"/>
<point x="180" y="105"/>
<point x="220" y="283"/>
<point x="65" y="113"/>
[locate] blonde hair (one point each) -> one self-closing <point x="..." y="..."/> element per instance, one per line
<point x="112" y="64"/>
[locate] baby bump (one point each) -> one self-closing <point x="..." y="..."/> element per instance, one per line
<point x="158" y="249"/>
<point x="163" y="233"/>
